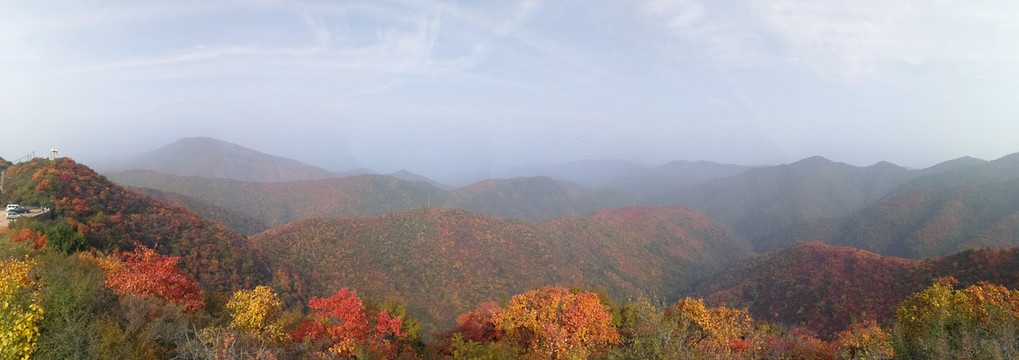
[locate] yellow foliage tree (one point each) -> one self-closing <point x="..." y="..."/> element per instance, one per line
<point x="651" y="334"/>
<point x="20" y="312"/>
<point x="257" y="312"/>
<point x="864" y="340"/>
<point x="718" y="329"/>
<point x="981" y="321"/>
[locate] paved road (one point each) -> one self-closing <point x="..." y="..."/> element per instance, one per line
<point x="34" y="212"/>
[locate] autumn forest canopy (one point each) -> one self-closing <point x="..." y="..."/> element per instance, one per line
<point x="270" y="259"/>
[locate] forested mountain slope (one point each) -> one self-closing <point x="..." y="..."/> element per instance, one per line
<point x="371" y="195"/>
<point x="91" y="212"/>
<point x="673" y="176"/>
<point x="240" y="222"/>
<point x="932" y="215"/>
<point x="449" y="260"/>
<point x="826" y="288"/>
<point x="760" y="201"/>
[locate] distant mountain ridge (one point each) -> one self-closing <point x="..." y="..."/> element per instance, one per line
<point x="757" y="202"/>
<point x="931" y="215"/>
<point x="673" y="176"/>
<point x="211" y="158"/>
<point x="621" y="175"/>
<point x="592" y="174"/>
<point x="763" y="200"/>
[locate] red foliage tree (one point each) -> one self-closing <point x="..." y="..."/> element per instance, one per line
<point x="144" y="272"/>
<point x="347" y="327"/>
<point x="480" y="325"/>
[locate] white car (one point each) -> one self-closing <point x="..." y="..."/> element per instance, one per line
<point x="12" y="207"/>
<point x="13" y="215"/>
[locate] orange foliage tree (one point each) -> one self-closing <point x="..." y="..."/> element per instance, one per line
<point x="864" y="340"/>
<point x="343" y="324"/>
<point x="553" y="323"/>
<point x="147" y="273"/>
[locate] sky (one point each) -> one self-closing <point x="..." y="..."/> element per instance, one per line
<point x="442" y="88"/>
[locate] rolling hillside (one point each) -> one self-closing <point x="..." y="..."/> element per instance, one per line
<point x="449" y="260"/>
<point x="211" y="158"/>
<point x="240" y="222"/>
<point x="371" y="195"/>
<point x="535" y="198"/>
<point x="91" y="212"/>
<point x="825" y="288"/>
<point x="279" y="203"/>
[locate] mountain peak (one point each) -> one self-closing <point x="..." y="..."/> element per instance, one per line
<point x="213" y="158"/>
<point x="1010" y="158"/>
<point x="885" y="165"/>
<point x="202" y="139"/>
<point x="409" y="176"/>
<point x="816" y="160"/>
<point x="207" y="144"/>
<point x="962" y="162"/>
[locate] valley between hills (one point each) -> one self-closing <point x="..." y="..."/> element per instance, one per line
<point x="813" y="259"/>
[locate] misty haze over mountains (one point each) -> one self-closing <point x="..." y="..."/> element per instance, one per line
<point x="212" y="158"/>
<point x="757" y="202"/>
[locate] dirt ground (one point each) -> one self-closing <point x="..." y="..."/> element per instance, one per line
<point x="34" y="211"/>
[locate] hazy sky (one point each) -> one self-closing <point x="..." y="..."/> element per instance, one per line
<point x="444" y="87"/>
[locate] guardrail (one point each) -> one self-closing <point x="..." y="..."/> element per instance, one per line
<point x="28" y="157"/>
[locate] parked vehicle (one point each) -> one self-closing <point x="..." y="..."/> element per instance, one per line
<point x="17" y="208"/>
<point x="13" y="215"/>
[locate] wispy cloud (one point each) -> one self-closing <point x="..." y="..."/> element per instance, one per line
<point x="846" y="40"/>
<point x="402" y="46"/>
